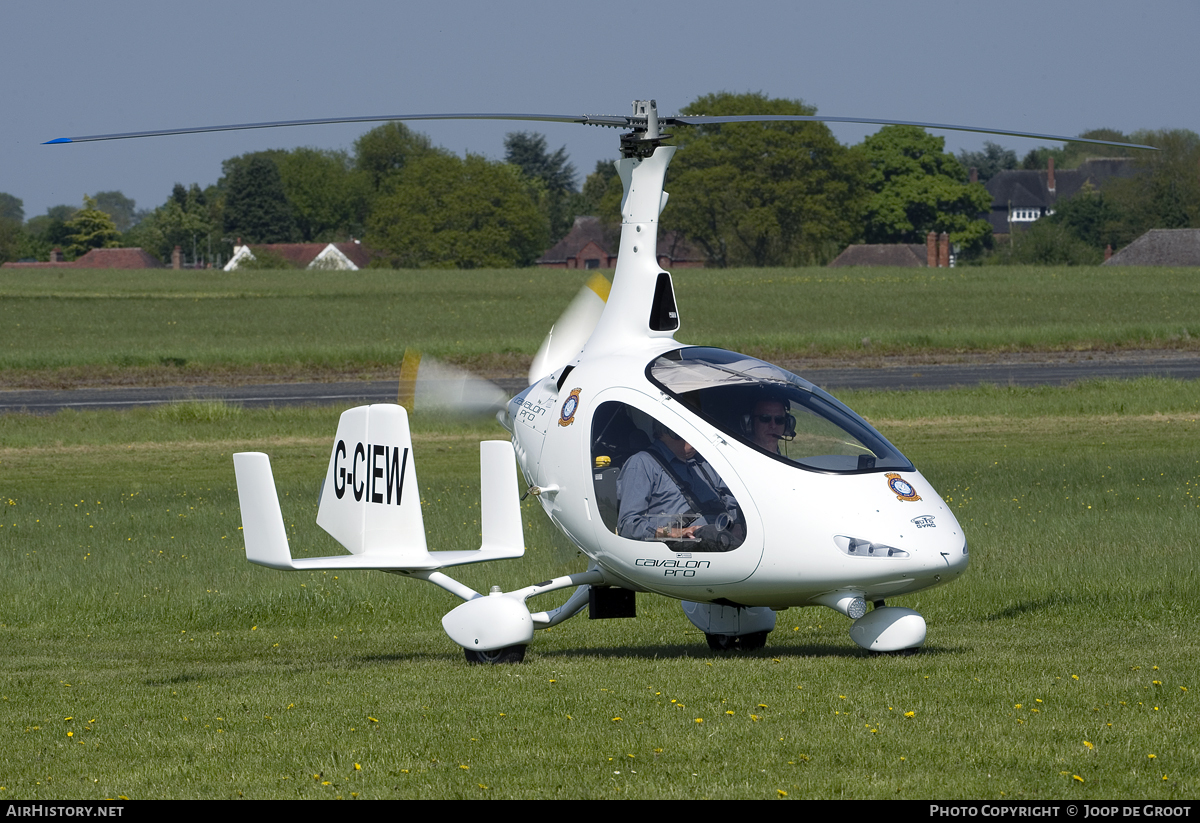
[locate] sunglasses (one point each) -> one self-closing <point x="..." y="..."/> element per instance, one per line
<point x="777" y="420"/>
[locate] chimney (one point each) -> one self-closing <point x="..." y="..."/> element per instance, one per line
<point x="1050" y="176"/>
<point x="944" y="251"/>
<point x="931" y="250"/>
<point x="177" y="258"/>
<point x="56" y="255"/>
<point x="973" y="175"/>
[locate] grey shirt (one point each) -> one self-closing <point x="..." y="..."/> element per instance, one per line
<point x="650" y="498"/>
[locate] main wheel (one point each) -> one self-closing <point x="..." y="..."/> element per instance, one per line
<point x="509" y="654"/>
<point x="736" y="642"/>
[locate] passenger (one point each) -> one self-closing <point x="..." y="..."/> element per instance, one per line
<point x="669" y="492"/>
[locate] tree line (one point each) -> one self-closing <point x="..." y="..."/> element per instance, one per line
<point x="744" y="194"/>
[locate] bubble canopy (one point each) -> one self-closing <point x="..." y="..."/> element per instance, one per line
<point x="774" y="411"/>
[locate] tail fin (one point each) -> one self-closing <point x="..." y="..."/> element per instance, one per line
<point x="370" y="500"/>
<point x="262" y="521"/>
<point x="371" y="504"/>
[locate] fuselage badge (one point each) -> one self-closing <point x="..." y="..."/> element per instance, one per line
<point x="571" y="405"/>
<point x="902" y="488"/>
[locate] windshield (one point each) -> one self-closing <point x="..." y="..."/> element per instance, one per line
<point x="774" y="411"/>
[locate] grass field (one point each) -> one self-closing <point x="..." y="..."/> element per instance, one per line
<point x="165" y="325"/>
<point x="143" y="657"/>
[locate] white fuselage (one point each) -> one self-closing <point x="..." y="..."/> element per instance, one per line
<point x="794" y="516"/>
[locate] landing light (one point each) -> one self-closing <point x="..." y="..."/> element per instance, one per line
<point x="857" y="547"/>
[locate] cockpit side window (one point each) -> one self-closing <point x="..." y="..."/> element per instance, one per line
<point x="652" y="485"/>
<point x="773" y="410"/>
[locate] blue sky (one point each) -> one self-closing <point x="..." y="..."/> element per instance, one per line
<point x="75" y="68"/>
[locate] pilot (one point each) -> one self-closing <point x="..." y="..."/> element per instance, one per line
<point x="669" y="492"/>
<point x="768" y="423"/>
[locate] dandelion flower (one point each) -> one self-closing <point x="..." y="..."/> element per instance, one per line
<point x="699" y="719"/>
<point x="1088" y="744"/>
<point x="1077" y="777"/>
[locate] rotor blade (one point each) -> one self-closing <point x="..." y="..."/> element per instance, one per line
<point x="616" y="121"/>
<point x="704" y="120"/>
<point x="428" y="385"/>
<point x="570" y="333"/>
<point x="611" y="120"/>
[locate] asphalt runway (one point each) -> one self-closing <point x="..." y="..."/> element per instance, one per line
<point x="1179" y="365"/>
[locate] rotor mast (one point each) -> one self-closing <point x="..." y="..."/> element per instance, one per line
<point x="641" y="306"/>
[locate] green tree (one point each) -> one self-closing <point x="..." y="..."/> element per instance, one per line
<point x="11" y="208"/>
<point x="916" y="188"/>
<point x="1165" y="193"/>
<point x="256" y="207"/>
<point x="15" y="241"/>
<point x="444" y="211"/>
<point x="601" y="197"/>
<point x="1072" y="154"/>
<point x="527" y="151"/>
<point x="1091" y="217"/>
<point x="122" y="209"/>
<point x="554" y="174"/>
<point x="90" y="229"/>
<point x="189" y="219"/>
<point x="385" y="150"/>
<point x="1048" y="243"/>
<point x="328" y="199"/>
<point x="763" y="194"/>
<point x="991" y="161"/>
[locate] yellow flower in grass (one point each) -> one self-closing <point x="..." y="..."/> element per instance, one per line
<point x="1077" y="777"/>
<point x="1088" y="744"/>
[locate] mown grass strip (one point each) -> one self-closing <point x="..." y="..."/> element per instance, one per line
<point x="144" y="657"/>
<point x="365" y="320"/>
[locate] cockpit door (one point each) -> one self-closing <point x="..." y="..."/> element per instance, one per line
<point x="709" y="533"/>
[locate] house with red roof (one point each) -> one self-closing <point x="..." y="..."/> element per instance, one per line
<point x="132" y="258"/>
<point x="588" y="246"/>
<point x="336" y="256"/>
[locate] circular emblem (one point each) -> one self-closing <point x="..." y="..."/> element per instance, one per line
<point x="902" y="488"/>
<point x="571" y="405"/>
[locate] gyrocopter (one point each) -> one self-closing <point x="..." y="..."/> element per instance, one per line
<point x="699" y="474"/>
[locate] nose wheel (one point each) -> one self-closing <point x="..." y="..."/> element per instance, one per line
<point x="508" y="654"/>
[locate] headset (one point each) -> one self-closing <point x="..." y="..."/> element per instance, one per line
<point x="789" y="427"/>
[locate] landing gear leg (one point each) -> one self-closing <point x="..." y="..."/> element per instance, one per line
<point x="737" y="642"/>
